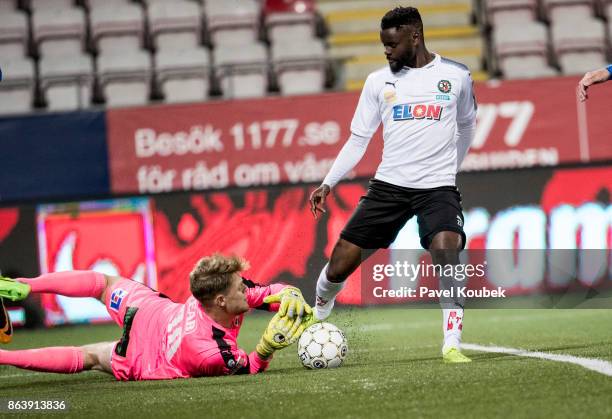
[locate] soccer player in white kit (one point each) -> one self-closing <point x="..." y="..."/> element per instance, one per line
<point x="428" y="111"/>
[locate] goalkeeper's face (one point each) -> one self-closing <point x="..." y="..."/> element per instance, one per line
<point x="235" y="297"/>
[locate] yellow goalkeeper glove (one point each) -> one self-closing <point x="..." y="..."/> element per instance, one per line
<point x="281" y="332"/>
<point x="308" y="320"/>
<point x="292" y="303"/>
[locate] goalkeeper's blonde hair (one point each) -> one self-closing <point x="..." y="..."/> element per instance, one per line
<point x="212" y="275"/>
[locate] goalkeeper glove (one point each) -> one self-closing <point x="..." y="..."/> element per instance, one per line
<point x="291" y="301"/>
<point x="309" y="319"/>
<point x="281" y="332"/>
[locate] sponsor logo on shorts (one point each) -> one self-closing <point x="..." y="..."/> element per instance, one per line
<point x="116" y="298"/>
<point x="459" y="221"/>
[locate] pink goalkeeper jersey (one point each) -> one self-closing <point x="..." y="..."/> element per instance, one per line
<point x="170" y="340"/>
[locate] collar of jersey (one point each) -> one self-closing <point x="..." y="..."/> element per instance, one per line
<point x="434" y="62"/>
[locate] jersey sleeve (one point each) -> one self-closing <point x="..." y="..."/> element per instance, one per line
<point x="256" y="293"/>
<point x="232" y="361"/>
<point x="466" y="119"/>
<point x="367" y="116"/>
<point x="466" y="105"/>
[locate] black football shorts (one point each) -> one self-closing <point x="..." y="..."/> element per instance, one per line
<point x="386" y="208"/>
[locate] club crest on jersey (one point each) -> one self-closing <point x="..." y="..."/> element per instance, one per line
<point x="444" y="86"/>
<point x="420" y="111"/>
<point x="116" y="298"/>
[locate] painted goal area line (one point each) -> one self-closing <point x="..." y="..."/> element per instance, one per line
<point x="593" y="364"/>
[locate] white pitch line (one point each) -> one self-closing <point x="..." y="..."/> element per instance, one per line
<point x="593" y="364"/>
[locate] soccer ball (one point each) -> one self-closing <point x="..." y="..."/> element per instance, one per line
<point x="322" y="345"/>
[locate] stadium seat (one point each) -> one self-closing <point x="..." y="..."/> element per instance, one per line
<point x="13" y="32"/>
<point x="508" y="11"/>
<point x="578" y="35"/>
<point x="289" y="19"/>
<point x="183" y="75"/>
<point x="285" y="26"/>
<point x="606" y="11"/>
<point x="17" y="86"/>
<point x="177" y="17"/>
<point x="232" y="21"/>
<point x="578" y="63"/>
<point x="50" y="4"/>
<point x="116" y="26"/>
<point x="67" y="81"/>
<point x="527" y="67"/>
<point x="59" y="31"/>
<point x="125" y="79"/>
<point x="531" y="39"/>
<point x="555" y="9"/>
<point x="288" y="6"/>
<point x="94" y="4"/>
<point x="243" y="74"/>
<point x="517" y="17"/>
<point x="7" y="5"/>
<point x="299" y="66"/>
<point x="176" y="41"/>
<point x="579" y="11"/>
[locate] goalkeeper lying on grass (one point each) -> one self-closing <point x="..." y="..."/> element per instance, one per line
<point x="162" y="339"/>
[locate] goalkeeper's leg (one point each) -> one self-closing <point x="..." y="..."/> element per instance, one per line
<point x="63" y="359"/>
<point x="70" y="284"/>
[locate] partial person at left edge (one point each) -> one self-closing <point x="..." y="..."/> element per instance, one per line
<point x="163" y="339"/>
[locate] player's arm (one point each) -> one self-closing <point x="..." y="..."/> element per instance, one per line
<point x="365" y="123"/>
<point x="233" y="361"/>
<point x="347" y="159"/>
<point x="466" y="118"/>
<point x="593" y="77"/>
<point x="228" y="359"/>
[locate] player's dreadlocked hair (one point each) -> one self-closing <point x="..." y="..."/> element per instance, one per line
<point x="213" y="274"/>
<point x="401" y="16"/>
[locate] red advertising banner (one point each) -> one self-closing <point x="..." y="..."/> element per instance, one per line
<point x="274" y="229"/>
<point x="239" y="143"/>
<point x="158" y="240"/>
<point x="538" y="123"/>
<point x="114" y="237"/>
<point x="295" y="140"/>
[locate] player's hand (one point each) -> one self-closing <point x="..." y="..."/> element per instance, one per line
<point x="592" y="77"/>
<point x="292" y="303"/>
<point x="281" y="332"/>
<point x="317" y="199"/>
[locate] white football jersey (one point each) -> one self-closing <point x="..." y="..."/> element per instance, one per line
<point x="419" y="109"/>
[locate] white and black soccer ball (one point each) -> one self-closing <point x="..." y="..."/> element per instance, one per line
<point x="322" y="345"/>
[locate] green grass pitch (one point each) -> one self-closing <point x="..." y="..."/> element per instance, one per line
<point x="394" y="370"/>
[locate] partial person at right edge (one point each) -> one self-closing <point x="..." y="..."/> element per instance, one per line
<point x="592" y="77"/>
